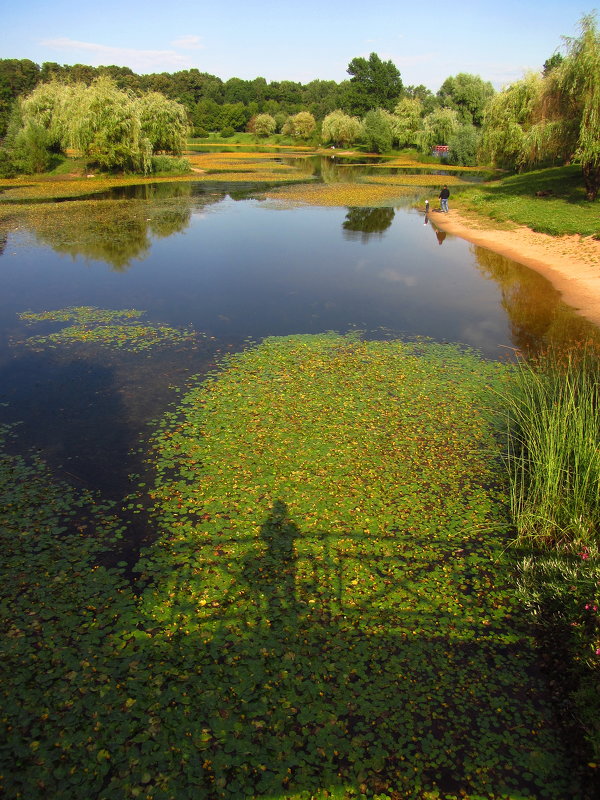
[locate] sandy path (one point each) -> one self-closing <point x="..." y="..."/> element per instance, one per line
<point x="571" y="263"/>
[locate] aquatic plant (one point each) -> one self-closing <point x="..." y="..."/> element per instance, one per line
<point x="108" y="328"/>
<point x="553" y="455"/>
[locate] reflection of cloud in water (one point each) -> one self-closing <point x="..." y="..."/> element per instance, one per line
<point x="483" y="335"/>
<point x="397" y="277"/>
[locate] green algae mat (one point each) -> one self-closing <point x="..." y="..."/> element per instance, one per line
<point x="327" y="610"/>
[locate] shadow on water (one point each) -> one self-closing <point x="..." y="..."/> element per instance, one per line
<point x="301" y="678"/>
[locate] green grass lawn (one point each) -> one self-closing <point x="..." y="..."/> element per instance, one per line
<point x="328" y="609"/>
<point x="548" y="200"/>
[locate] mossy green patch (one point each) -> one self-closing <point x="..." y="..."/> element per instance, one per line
<point x="108" y="328"/>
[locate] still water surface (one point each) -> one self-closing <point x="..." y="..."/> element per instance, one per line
<point x="234" y="269"/>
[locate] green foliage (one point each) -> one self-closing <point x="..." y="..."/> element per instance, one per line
<point x="553" y="460"/>
<point x="374" y="84"/>
<point x="110" y="127"/>
<point x="340" y="129"/>
<point x="561" y="592"/>
<point x="555" y="118"/>
<point x="106" y="328"/>
<point x="438" y="128"/>
<point x="507" y="120"/>
<point x="167" y="165"/>
<point x="551" y="63"/>
<point x="468" y="95"/>
<point x="301" y="125"/>
<point x="377" y="131"/>
<point x="17" y="77"/>
<point x="30" y="151"/>
<point x="407" y="121"/>
<point x="163" y="122"/>
<point x="105" y="126"/>
<point x="262" y="125"/>
<point x="464" y="146"/>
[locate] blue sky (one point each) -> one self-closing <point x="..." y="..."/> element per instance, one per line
<point x="297" y="41"/>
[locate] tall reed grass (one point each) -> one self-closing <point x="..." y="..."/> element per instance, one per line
<point x="553" y="448"/>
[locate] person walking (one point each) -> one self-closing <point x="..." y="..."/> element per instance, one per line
<point x="444" y="195"/>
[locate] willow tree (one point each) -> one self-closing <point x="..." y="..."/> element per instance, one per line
<point x="301" y="125"/>
<point x="104" y="126"/>
<point x="47" y="106"/>
<point x="408" y="121"/>
<point x="554" y="118"/>
<point x="164" y="123"/>
<point x="507" y="120"/>
<point x="340" y="129"/>
<point x="578" y="81"/>
<point x="438" y="128"/>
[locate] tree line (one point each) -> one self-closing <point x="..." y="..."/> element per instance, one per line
<point x="548" y="117"/>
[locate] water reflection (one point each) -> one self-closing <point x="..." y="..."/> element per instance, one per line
<point x="533" y="306"/>
<point x="243" y="270"/>
<point x="116" y="233"/>
<point x="362" y="223"/>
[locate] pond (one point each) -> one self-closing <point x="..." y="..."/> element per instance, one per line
<point x="231" y="267"/>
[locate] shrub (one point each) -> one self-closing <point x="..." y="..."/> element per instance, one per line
<point x="169" y="165"/>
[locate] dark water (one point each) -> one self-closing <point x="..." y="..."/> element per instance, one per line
<point x="233" y="268"/>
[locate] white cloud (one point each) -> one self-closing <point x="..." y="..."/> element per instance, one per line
<point x="189" y="42"/>
<point x="140" y="60"/>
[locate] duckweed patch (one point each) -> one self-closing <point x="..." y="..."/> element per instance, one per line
<point x="341" y="194"/>
<point x="327" y="610"/>
<point x="120" y="329"/>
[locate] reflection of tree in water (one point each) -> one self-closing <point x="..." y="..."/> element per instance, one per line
<point x="116" y="232"/>
<point x="534" y="308"/>
<point x="367" y="221"/>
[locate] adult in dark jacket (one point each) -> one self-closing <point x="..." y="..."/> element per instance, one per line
<point x="444" y="195"/>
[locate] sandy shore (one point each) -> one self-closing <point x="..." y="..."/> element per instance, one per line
<point x="571" y="263"/>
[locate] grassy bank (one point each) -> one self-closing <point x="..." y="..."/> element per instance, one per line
<point x="328" y="610"/>
<point x="549" y="201"/>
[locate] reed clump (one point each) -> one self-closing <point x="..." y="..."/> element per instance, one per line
<point x="553" y="452"/>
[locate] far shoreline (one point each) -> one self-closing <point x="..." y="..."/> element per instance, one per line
<point x="570" y="263"/>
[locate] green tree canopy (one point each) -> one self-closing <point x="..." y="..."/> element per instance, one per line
<point x="302" y="125"/>
<point x="467" y="94"/>
<point x="112" y="128"/>
<point x="438" y="128"/>
<point x="163" y="122"/>
<point x="340" y="129"/>
<point x="374" y="84"/>
<point x="507" y="120"/>
<point x="377" y="130"/>
<point x="262" y="125"/>
<point x="553" y="118"/>
<point x="407" y="121"/>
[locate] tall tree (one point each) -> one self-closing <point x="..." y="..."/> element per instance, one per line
<point x="467" y="94"/>
<point x="374" y="84"/>
<point x="578" y="80"/>
<point x="407" y="121"/>
<point x="555" y="118"/>
<point x="163" y="122"/>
